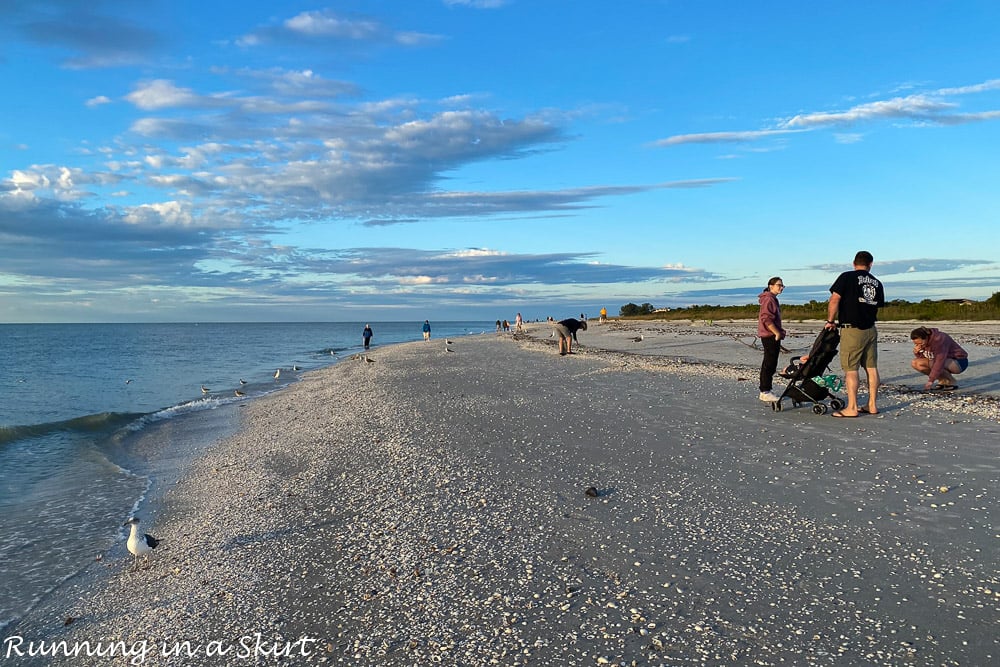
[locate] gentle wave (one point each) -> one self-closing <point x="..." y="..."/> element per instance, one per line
<point x="97" y="423"/>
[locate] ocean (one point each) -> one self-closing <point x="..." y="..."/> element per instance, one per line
<point x="95" y="419"/>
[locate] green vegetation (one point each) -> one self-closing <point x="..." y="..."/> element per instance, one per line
<point x="927" y="310"/>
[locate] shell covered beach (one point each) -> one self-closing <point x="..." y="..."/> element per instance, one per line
<point x="486" y="501"/>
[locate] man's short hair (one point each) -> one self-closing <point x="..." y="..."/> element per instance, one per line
<point x="863" y="258"/>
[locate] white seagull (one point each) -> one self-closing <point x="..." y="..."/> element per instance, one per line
<point x="204" y="389"/>
<point x="277" y="374"/>
<point x="139" y="545"/>
<point x="296" y="368"/>
<point x="242" y="381"/>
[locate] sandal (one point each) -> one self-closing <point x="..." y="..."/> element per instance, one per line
<point x="944" y="387"/>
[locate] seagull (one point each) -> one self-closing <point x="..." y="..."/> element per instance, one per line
<point x="277" y="374"/>
<point x="204" y="389"/>
<point x="447" y="342"/>
<point x="240" y="393"/>
<point x="296" y="368"/>
<point x="128" y="381"/>
<point x="637" y="339"/>
<point x="242" y="381"/>
<point x="370" y="361"/>
<point x="139" y="545"/>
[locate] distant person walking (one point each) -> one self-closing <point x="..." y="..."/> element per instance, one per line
<point x="855" y="298"/>
<point x="770" y="332"/>
<point x="427" y="330"/>
<point x="566" y="330"/>
<point x="366" y="335"/>
<point x="939" y="357"/>
<point x="518" y="324"/>
<point x="604" y="315"/>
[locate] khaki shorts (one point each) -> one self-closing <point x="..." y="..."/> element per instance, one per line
<point x="562" y="331"/>
<point x="858" y="347"/>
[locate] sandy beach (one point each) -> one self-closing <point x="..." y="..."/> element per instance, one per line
<point x="486" y="501"/>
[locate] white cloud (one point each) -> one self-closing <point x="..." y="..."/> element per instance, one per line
<point x="914" y="106"/>
<point x="324" y="23"/>
<point x="162" y="94"/>
<point x="721" y="137"/>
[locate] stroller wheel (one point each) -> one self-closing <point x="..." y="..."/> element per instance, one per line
<point x="837" y="404"/>
<point x="819" y="409"/>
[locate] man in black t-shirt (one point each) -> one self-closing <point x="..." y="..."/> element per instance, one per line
<point x="855" y="298"/>
<point x="566" y="330"/>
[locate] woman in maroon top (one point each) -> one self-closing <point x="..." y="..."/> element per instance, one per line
<point x="937" y="356"/>
<point x="770" y="332"/>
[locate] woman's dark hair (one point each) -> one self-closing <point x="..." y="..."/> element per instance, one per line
<point x="923" y="333"/>
<point x="776" y="279"/>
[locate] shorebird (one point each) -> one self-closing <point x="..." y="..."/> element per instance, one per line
<point x="242" y="381"/>
<point x="277" y="374"/>
<point x="204" y="389"/>
<point x="128" y="381"/>
<point x="139" y="545"/>
<point x="637" y="339"/>
<point x="296" y="368"/>
<point x="240" y="393"/>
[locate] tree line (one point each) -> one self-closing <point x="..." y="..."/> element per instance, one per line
<point x="897" y="309"/>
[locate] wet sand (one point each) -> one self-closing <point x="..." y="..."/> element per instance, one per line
<point x="431" y="506"/>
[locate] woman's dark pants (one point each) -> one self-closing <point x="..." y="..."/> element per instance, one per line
<point x="772" y="348"/>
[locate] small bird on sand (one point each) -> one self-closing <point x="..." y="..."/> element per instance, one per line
<point x="204" y="389"/>
<point x="637" y="339"/>
<point x="277" y="374"/>
<point x="139" y="545"/>
<point x="240" y="393"/>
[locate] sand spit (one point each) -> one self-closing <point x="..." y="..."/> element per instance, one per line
<point x="430" y="507"/>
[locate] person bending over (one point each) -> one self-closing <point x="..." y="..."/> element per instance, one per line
<point x="566" y="329"/>
<point x="938" y="356"/>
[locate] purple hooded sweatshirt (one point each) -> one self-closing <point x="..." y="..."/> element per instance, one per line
<point x="770" y="313"/>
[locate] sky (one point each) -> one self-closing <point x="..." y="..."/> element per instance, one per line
<point x="172" y="160"/>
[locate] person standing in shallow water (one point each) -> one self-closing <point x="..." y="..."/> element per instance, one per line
<point x="770" y="332"/>
<point x="366" y="335"/>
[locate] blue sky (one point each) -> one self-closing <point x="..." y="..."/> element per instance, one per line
<point x="464" y="159"/>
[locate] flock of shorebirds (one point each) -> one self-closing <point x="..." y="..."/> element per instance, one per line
<point x="205" y="391"/>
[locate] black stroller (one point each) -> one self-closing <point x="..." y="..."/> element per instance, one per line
<point x="802" y="388"/>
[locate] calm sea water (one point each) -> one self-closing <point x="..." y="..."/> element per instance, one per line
<point x="94" y="416"/>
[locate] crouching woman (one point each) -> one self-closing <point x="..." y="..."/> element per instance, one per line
<point x="938" y="356"/>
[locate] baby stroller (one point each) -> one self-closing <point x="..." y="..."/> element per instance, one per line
<point x="803" y="387"/>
